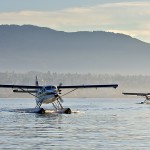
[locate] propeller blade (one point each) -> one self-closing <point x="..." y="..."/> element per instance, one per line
<point x="60" y="84"/>
<point x="59" y="97"/>
<point x="59" y="91"/>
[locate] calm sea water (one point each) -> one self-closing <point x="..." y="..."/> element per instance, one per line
<point x="105" y="124"/>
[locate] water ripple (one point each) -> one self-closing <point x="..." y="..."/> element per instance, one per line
<point x="104" y="124"/>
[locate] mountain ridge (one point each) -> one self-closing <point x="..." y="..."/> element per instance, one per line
<point x="28" y="47"/>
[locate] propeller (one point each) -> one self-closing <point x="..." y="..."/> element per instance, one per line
<point x="60" y="84"/>
<point x="59" y="97"/>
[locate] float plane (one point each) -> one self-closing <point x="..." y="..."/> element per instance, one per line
<point x="50" y="94"/>
<point x="146" y="95"/>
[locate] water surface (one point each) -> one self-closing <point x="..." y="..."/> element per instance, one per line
<point x="102" y="123"/>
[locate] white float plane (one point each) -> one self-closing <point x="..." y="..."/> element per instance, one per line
<point x="146" y="95"/>
<point x="50" y="94"/>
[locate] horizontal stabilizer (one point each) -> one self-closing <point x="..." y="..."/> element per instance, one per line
<point x="137" y="94"/>
<point x="28" y="91"/>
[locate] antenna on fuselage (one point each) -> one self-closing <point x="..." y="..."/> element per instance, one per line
<point x="36" y="82"/>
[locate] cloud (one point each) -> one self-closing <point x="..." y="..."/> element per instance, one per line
<point x="132" y="18"/>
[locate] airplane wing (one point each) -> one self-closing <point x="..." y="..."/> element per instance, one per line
<point x="19" y="86"/>
<point x="59" y="87"/>
<point x="87" y="86"/>
<point x="137" y="94"/>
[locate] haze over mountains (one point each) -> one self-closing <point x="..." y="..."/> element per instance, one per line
<point x="27" y="47"/>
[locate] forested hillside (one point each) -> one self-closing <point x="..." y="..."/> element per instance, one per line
<point x="128" y="83"/>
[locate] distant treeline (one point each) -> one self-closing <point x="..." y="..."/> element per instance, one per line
<point x="127" y="83"/>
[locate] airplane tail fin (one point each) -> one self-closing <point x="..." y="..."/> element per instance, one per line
<point x="36" y="82"/>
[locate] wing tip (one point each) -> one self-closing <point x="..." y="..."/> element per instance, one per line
<point x="115" y="86"/>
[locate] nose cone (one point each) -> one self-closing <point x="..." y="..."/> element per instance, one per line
<point x="56" y="95"/>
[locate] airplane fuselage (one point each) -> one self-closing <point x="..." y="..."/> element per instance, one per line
<point x="46" y="95"/>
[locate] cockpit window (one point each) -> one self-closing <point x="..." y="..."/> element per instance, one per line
<point x="50" y="88"/>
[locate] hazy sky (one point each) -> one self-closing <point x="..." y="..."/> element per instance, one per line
<point x="128" y="17"/>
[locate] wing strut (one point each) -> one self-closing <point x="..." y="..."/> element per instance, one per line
<point x="69" y="92"/>
<point x="29" y="93"/>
